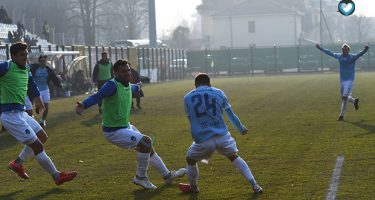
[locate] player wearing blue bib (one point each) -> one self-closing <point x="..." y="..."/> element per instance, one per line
<point x="204" y="108"/>
<point x="347" y="75"/>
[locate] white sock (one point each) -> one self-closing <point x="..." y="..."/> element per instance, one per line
<point x="343" y="108"/>
<point x="46" y="163"/>
<point x="142" y="165"/>
<point x="192" y="173"/>
<point x="351" y="99"/>
<point x="244" y="169"/>
<point x="26" y="154"/>
<point x="157" y="163"/>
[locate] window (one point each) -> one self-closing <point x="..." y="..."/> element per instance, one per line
<point x="251" y="27"/>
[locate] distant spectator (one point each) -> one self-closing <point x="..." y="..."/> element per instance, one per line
<point x="102" y="73"/>
<point x="20" y="29"/>
<point x="46" y="30"/>
<point x="135" y="79"/>
<point x="3" y="14"/>
<point x="10" y="37"/>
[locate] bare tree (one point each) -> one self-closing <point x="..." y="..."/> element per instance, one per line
<point x="89" y="12"/>
<point x="134" y="17"/>
<point x="181" y="37"/>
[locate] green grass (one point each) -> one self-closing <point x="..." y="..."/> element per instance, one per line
<point x="292" y="146"/>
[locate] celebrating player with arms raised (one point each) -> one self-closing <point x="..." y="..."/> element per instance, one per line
<point x="347" y="75"/>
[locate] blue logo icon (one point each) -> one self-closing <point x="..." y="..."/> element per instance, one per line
<point x="346" y="7"/>
<point x="27" y="131"/>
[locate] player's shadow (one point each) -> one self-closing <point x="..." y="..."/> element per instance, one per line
<point x="10" y="196"/>
<point x="141" y="194"/>
<point x="254" y="196"/>
<point x="6" y="140"/>
<point x="92" y="121"/>
<point x="193" y="196"/>
<point x="362" y="124"/>
<point x="48" y="193"/>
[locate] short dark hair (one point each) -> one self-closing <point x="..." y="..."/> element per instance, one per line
<point x="17" y="47"/>
<point x="119" y="63"/>
<point x="104" y="53"/>
<point x="42" y="56"/>
<point x="202" y="79"/>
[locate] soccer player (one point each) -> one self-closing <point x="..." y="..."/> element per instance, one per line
<point x="347" y="75"/>
<point x="102" y="73"/>
<point x="204" y="108"/>
<point x="116" y="95"/>
<point x="42" y="75"/>
<point x="15" y="83"/>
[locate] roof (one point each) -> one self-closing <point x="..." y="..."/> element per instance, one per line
<point x="256" y="7"/>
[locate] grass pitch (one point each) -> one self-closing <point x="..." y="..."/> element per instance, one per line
<point x="291" y="148"/>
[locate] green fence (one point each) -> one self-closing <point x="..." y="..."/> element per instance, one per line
<point x="275" y="59"/>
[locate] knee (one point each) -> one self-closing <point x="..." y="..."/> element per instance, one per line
<point x="190" y="161"/>
<point x="145" y="145"/>
<point x="42" y="136"/>
<point x="36" y="146"/>
<point x="344" y="98"/>
<point x="232" y="157"/>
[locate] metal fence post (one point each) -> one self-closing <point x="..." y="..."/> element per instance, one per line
<point x="298" y="58"/>
<point x="110" y="53"/>
<point x="122" y="53"/>
<point x="148" y="61"/>
<point x="90" y="62"/>
<point x="185" y="64"/>
<point x="157" y="64"/>
<point x="169" y="64"/>
<point x="229" y="62"/>
<point x="205" y="60"/>
<point x="252" y="61"/>
<point x="63" y="49"/>
<point x="116" y="57"/>
<point x="275" y="58"/>
<point x="97" y="53"/>
<point x="7" y="51"/>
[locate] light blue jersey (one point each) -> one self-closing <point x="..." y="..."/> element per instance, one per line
<point x="204" y="107"/>
<point x="347" y="63"/>
<point x="41" y="78"/>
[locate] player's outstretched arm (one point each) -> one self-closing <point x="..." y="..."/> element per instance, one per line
<point x="361" y="53"/>
<point x="236" y="121"/>
<point x="108" y="89"/>
<point x="326" y="51"/>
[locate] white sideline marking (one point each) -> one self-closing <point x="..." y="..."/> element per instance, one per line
<point x="335" y="179"/>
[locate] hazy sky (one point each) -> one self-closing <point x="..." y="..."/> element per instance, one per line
<point x="365" y="7"/>
<point x="170" y="13"/>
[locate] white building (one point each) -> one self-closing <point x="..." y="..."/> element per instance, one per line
<point x="252" y="22"/>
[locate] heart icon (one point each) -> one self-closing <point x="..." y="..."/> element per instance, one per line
<point x="346" y="7"/>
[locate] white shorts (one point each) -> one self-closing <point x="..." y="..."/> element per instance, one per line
<point x="126" y="138"/>
<point x="45" y="96"/>
<point x="28" y="104"/>
<point x="225" y="145"/>
<point x="21" y="126"/>
<point x="346" y="88"/>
